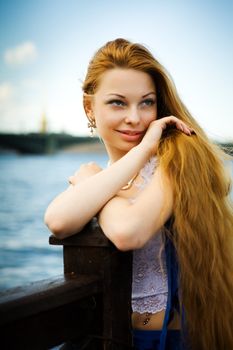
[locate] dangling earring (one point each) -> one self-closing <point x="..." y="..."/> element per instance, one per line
<point x="91" y="125"/>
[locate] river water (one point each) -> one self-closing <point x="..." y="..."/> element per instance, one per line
<point x="27" y="184"/>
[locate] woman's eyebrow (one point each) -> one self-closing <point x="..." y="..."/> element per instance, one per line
<point x="149" y="93"/>
<point x="121" y="96"/>
<point x="116" y="95"/>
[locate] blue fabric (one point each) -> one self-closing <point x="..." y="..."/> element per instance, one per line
<point x="150" y="340"/>
<point x="172" y="300"/>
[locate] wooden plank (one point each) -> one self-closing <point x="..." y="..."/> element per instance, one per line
<point x="117" y="300"/>
<point x="90" y="252"/>
<point x="116" y="269"/>
<point x="52" y="327"/>
<point x="91" y="235"/>
<point x="36" y="297"/>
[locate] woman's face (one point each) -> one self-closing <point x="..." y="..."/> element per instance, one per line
<point x="123" y="107"/>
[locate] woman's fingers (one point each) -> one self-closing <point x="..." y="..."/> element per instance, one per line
<point x="180" y="125"/>
<point x="85" y="171"/>
<point x="184" y="128"/>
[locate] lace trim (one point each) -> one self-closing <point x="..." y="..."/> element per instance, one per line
<point x="146" y="174"/>
<point x="150" y="304"/>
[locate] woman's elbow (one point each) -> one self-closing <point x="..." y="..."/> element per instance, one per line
<point x="124" y="239"/>
<point x="122" y="245"/>
<point x="56" y="226"/>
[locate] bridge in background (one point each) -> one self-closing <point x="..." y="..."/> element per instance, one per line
<point x="45" y="143"/>
<point x="42" y="143"/>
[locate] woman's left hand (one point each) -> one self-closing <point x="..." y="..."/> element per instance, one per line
<point x="85" y="171"/>
<point x="156" y="128"/>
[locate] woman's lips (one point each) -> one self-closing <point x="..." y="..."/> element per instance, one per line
<point x="130" y="135"/>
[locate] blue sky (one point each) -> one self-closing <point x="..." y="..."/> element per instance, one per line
<point x="45" y="47"/>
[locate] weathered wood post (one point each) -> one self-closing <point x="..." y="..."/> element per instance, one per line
<point x="90" y="252"/>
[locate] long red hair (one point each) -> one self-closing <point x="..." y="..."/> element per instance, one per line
<point x="203" y="215"/>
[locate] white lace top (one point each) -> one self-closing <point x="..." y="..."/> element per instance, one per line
<point x="149" y="285"/>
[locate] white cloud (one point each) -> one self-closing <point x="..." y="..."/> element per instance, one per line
<point x="6" y="91"/>
<point x="21" y="54"/>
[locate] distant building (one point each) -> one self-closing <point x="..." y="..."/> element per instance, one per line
<point x="43" y="124"/>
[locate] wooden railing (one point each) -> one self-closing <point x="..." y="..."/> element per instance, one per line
<point x="89" y="305"/>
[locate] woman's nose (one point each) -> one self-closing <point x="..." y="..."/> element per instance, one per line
<point x="133" y="116"/>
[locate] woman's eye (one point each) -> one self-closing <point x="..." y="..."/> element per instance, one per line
<point x="117" y="103"/>
<point x="148" y="102"/>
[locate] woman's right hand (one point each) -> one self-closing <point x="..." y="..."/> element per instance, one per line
<point x="156" y="128"/>
<point x="85" y="171"/>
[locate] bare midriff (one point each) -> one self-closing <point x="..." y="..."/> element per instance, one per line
<point x="154" y="321"/>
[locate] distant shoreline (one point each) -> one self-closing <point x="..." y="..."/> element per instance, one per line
<point x="84" y="148"/>
<point x="36" y="143"/>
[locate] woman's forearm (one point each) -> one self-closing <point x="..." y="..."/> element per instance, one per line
<point x="72" y="209"/>
<point x="129" y="225"/>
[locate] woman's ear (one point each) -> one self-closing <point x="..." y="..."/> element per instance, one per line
<point x="87" y="105"/>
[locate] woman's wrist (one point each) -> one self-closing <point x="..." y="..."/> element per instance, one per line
<point x="146" y="149"/>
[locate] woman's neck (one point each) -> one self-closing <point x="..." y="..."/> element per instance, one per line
<point x="114" y="155"/>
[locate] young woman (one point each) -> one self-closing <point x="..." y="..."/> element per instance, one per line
<point x="164" y="195"/>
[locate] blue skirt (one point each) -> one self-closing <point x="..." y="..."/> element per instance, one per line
<point x="150" y="340"/>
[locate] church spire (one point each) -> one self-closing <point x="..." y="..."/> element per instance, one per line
<point x="43" y="124"/>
